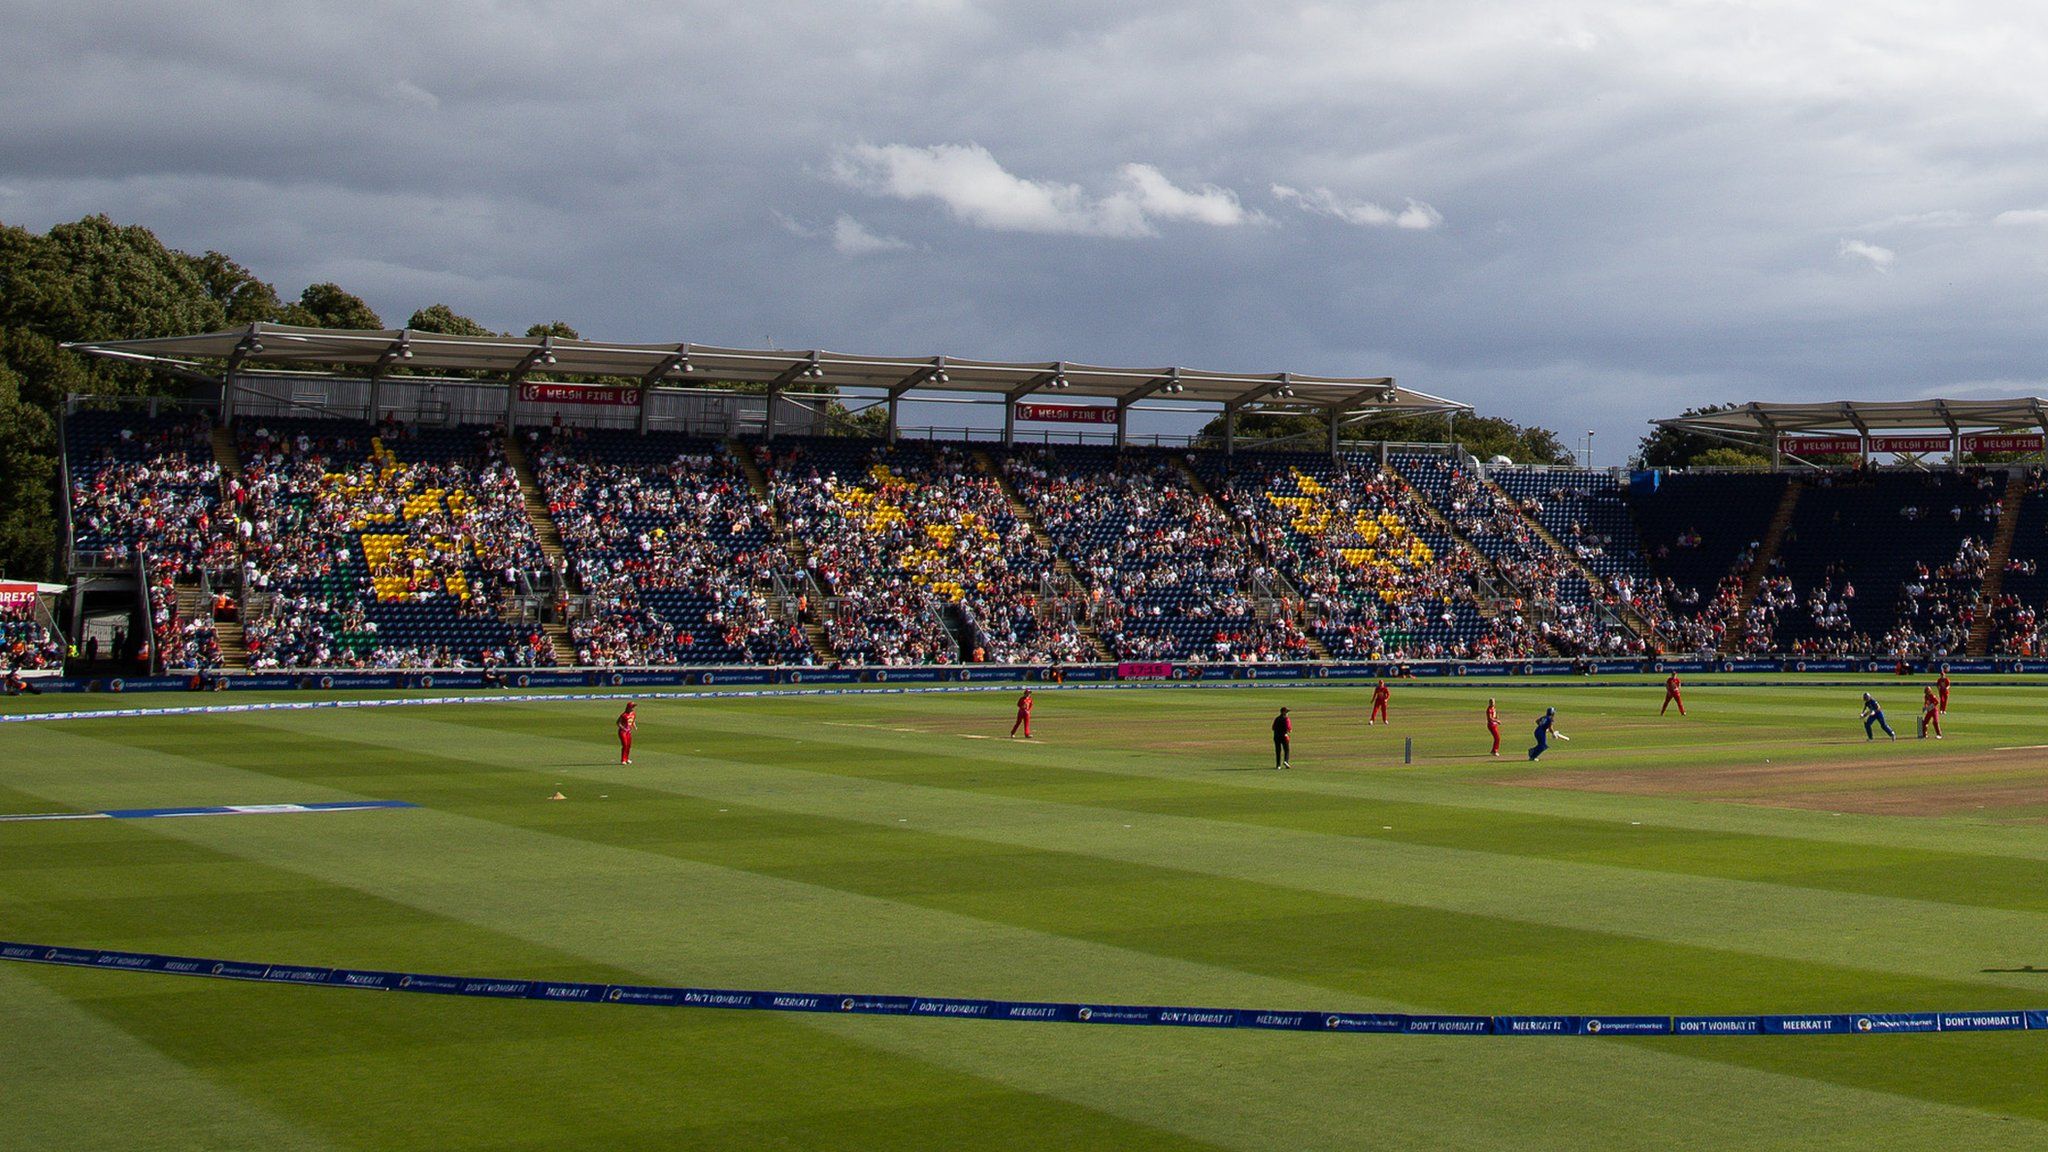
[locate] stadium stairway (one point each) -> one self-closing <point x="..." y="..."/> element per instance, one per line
<point x="1068" y="578"/>
<point x="234" y="647"/>
<point x="1994" y="569"/>
<point x="543" y="521"/>
<point x="1489" y="604"/>
<point x="225" y="453"/>
<point x="1760" y="565"/>
<point x="757" y="482"/>
<point x="234" y="651"/>
<point x="1316" y="646"/>
<point x="1634" y="623"/>
<point x="512" y="613"/>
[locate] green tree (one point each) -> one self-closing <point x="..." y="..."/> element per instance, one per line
<point x="1482" y="436"/>
<point x="28" y="482"/>
<point x="1728" y="456"/>
<point x="559" y="329"/>
<point x="243" y="297"/>
<point x="329" y="306"/>
<point x="1670" y="448"/>
<point x="446" y="321"/>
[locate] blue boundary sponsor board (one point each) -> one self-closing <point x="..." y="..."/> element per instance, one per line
<point x="956" y="1008"/>
<point x="1982" y="1021"/>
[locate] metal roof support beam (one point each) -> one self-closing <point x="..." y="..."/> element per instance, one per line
<point x="1955" y="435"/>
<point x="679" y="360"/>
<point x="1057" y="377"/>
<point x="542" y="354"/>
<point x="1862" y="429"/>
<point x="806" y="369"/>
<point x="249" y="346"/>
<point x="1170" y="383"/>
<point x="401" y="349"/>
<point x="1229" y="430"/>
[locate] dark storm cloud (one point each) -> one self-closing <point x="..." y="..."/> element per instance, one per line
<point x="1578" y="214"/>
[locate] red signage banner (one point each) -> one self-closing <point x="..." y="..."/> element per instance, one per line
<point x="2003" y="442"/>
<point x="1067" y="413"/>
<point x="577" y="394"/>
<point x="1909" y="444"/>
<point x="1144" y="670"/>
<point x="1819" y="445"/>
<point x="17" y="595"/>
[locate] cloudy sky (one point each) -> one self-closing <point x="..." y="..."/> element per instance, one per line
<point x="1582" y="215"/>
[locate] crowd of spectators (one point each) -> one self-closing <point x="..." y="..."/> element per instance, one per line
<point x="899" y="537"/>
<point x="1168" y="577"/>
<point x="1569" y="614"/>
<point x="671" y="547"/>
<point x="335" y="519"/>
<point x="26" y="644"/>
<point x="147" y="486"/>
<point x="1349" y="536"/>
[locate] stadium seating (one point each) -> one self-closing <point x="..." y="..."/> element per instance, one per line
<point x="149" y="487"/>
<point x="385" y="547"/>
<point x="1569" y="614"/>
<point x="25" y="643"/>
<point x="396" y="546"/>
<point x="2019" y="627"/>
<point x="672" y="546"/>
<point x="1377" y="576"/>
<point x="1167" y="574"/>
<point x="1861" y="568"/>
<point x="921" y="552"/>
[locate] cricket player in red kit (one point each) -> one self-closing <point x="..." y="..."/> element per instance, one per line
<point x="1493" y="724"/>
<point x="1380" y="695"/>
<point x="1941" y="686"/>
<point x="1023" y="721"/>
<point x="1671" y="695"/>
<point x="627" y="722"/>
<point x="1930" y="712"/>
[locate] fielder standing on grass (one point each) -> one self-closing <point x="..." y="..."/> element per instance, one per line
<point x="1024" y="706"/>
<point x="627" y="722"/>
<point x="1282" y="746"/>
<point x="1941" y="685"/>
<point x="1545" y="729"/>
<point x="1493" y="724"/>
<point x="1380" y="695"/>
<point x="1671" y="696"/>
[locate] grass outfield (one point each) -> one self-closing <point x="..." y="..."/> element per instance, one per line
<point x="1758" y="856"/>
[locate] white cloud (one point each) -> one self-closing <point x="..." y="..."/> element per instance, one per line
<point x="1160" y="199"/>
<point x="850" y="237"/>
<point x="2020" y="217"/>
<point x="1417" y="216"/>
<point x="1880" y="257"/>
<point x="978" y="190"/>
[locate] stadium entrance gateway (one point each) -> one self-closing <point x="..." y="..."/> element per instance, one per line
<point x="1803" y="433"/>
<point x="432" y="378"/>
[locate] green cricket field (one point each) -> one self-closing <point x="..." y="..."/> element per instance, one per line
<point x="1756" y="856"/>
